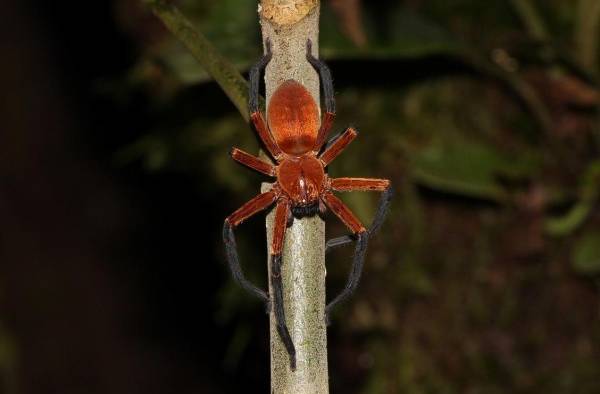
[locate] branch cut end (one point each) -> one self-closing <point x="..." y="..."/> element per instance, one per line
<point x="286" y="12"/>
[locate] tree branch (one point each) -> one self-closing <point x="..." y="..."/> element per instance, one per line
<point x="288" y="25"/>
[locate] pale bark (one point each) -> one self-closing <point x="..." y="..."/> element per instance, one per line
<point x="288" y="24"/>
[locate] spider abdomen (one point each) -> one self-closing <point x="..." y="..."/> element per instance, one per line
<point x="301" y="178"/>
<point x="293" y="118"/>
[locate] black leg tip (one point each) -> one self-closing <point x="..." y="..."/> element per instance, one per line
<point x="362" y="238"/>
<point x="268" y="47"/>
<point x="309" y="55"/>
<point x="277" y="260"/>
<point x="293" y="362"/>
<point x="327" y="318"/>
<point x="227" y="232"/>
<point x="390" y="192"/>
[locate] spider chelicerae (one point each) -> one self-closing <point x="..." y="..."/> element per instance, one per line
<point x="294" y="137"/>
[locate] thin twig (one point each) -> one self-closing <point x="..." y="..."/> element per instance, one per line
<point x="531" y="19"/>
<point x="225" y="74"/>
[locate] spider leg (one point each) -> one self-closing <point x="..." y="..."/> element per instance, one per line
<point x="337" y="146"/>
<point x="280" y="226"/>
<point x="363" y="184"/>
<point x="255" y="115"/>
<point x="255" y="205"/>
<point x="252" y="161"/>
<point x="362" y="237"/>
<point x="327" y="85"/>
<point x="331" y="140"/>
<point x="255" y="76"/>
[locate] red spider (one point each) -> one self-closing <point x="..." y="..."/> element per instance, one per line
<point x="302" y="188"/>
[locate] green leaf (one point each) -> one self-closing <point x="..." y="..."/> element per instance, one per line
<point x="564" y="225"/>
<point x="468" y="169"/>
<point x="230" y="25"/>
<point x="586" y="254"/>
<point x="532" y="20"/>
<point x="576" y="216"/>
<point x="219" y="67"/>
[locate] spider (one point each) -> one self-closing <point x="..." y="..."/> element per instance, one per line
<point x="295" y="140"/>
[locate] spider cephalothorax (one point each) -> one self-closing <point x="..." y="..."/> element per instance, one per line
<point x="294" y="137"/>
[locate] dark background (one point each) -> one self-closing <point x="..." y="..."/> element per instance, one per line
<point x="115" y="180"/>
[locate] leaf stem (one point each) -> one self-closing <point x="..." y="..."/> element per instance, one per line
<point x="225" y="74"/>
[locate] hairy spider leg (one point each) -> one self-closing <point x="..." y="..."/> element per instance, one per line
<point x="359" y="184"/>
<point x="338" y="146"/>
<point x="363" y="184"/>
<point x="362" y="237"/>
<point x="255" y="114"/>
<point x="331" y="140"/>
<point x="378" y="219"/>
<point x="327" y="84"/>
<point x="252" y="162"/>
<point x="280" y="224"/>
<point x="252" y="207"/>
<point x="343" y="213"/>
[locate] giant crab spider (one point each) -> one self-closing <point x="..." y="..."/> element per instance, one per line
<point x="293" y="138"/>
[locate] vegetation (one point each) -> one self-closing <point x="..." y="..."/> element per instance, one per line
<point x="485" y="116"/>
<point x="484" y="278"/>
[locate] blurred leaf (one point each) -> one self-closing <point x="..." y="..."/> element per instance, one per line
<point x="153" y="149"/>
<point x="568" y="223"/>
<point x="468" y="168"/>
<point x="226" y="75"/>
<point x="349" y="14"/>
<point x="410" y="35"/>
<point x="588" y="196"/>
<point x="227" y="24"/>
<point x="527" y="11"/>
<point x="587" y="33"/>
<point x="416" y="35"/>
<point x="586" y="254"/>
